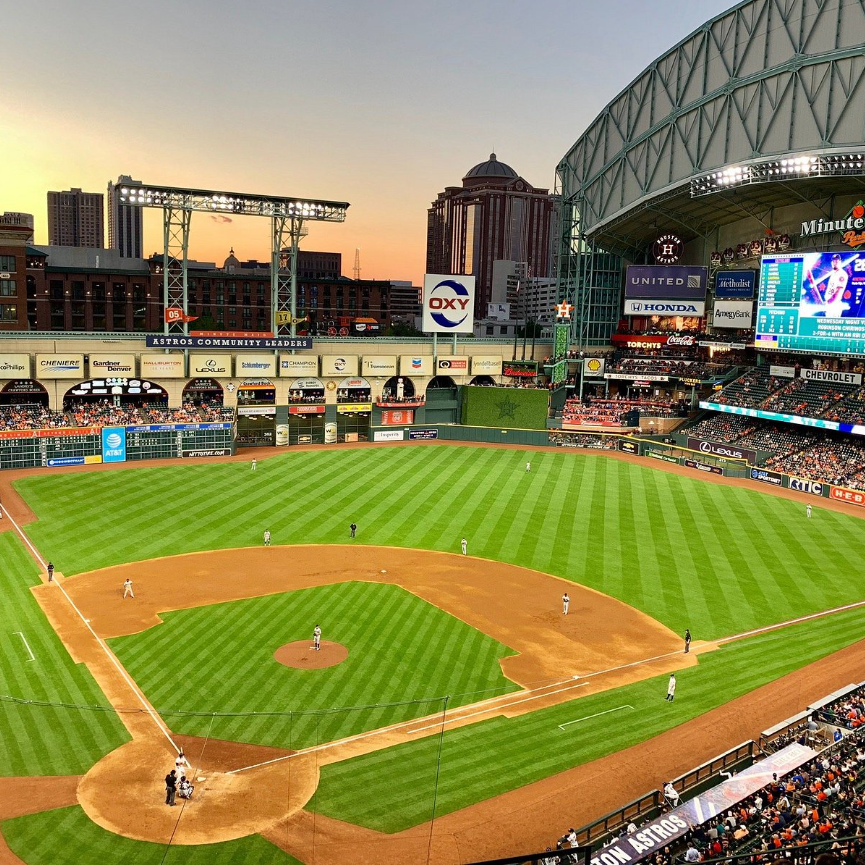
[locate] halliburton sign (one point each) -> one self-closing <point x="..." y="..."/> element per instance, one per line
<point x="722" y="449"/>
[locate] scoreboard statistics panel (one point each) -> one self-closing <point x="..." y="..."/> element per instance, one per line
<point x="178" y="440"/>
<point x="812" y="301"/>
<point x="50" y="447"/>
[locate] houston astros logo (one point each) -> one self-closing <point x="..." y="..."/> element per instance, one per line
<point x="448" y="303"/>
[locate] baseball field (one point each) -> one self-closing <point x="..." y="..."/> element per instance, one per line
<point x="453" y="712"/>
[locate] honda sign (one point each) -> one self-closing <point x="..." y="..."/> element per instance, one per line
<point x="666" y="307"/>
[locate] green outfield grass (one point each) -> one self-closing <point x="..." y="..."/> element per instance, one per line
<point x="219" y="658"/>
<point x="393" y="789"/>
<point x="38" y="739"/>
<point x="690" y="553"/>
<point x="67" y="836"/>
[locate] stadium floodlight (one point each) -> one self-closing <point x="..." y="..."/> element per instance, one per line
<point x="286" y="213"/>
<point x="773" y="170"/>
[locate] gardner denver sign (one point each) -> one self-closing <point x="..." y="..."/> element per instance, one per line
<point x="722" y="449"/>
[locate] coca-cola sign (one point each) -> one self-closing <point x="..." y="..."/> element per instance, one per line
<point x="684" y="339"/>
<point x="722" y="449"/>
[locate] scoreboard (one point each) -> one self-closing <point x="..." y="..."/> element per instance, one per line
<point x="74" y="446"/>
<point x="812" y="301"/>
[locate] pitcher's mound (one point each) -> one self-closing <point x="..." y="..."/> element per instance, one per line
<point x="302" y="656"/>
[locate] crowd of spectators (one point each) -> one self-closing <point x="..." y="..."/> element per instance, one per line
<point x="807" y="398"/>
<point x="847" y="711"/>
<point x="752" y="389"/>
<point x="721" y="427"/>
<point x="583" y="440"/>
<point x="669" y="366"/>
<point x="105" y="413"/>
<point x="306" y="396"/>
<point x="836" y="459"/>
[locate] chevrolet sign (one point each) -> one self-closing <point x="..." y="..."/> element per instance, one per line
<point x="665" y="307"/>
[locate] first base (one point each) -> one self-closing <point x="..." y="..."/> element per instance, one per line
<point x="383" y="571"/>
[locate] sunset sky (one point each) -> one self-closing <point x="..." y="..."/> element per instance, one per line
<point x="375" y="102"/>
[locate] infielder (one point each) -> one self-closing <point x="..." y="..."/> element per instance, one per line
<point x="127" y="588"/>
<point x="267" y="537"/>
<point x="566" y="602"/>
<point x="464" y="544"/>
<point x="316" y="638"/>
<point x="808" y="511"/>
<point x="671" y="688"/>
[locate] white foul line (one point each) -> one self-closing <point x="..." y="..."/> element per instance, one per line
<point x="496" y="708"/>
<point x="99" y="640"/>
<point x="26" y="645"/>
<point x="792" y="622"/>
<point x="596" y="715"/>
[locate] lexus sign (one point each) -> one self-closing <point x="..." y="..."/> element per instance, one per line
<point x="722" y="449"/>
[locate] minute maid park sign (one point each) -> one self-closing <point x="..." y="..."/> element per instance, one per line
<point x="852" y="227"/>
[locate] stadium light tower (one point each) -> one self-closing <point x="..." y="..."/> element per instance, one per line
<point x="288" y="218"/>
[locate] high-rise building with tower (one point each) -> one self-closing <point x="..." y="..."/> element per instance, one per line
<point x="75" y="218"/>
<point x="495" y="215"/>
<point x="125" y="223"/>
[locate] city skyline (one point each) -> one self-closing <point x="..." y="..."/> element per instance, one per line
<point x="392" y="105"/>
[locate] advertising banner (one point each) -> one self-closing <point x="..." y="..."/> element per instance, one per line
<point x="693" y="464"/>
<point x="664" y="458"/>
<point x="733" y="314"/>
<point x="163" y="366"/>
<point x="805" y="486"/>
<point x="766" y="477"/>
<point x="114" y="444"/>
<point x="236" y="343"/>
<point x="722" y="449"/>
<point x="452" y="365"/>
<point x="593" y="367"/>
<point x="448" y="304"/>
<point x="306" y="409"/>
<point x="112" y="365"/>
<point x="423" y="433"/>
<point x="487" y="364"/>
<point x="735" y="283"/>
<point x="832" y="376"/>
<point x="59" y="462"/>
<point x="246" y="365"/>
<point x="380" y="365"/>
<point x="339" y="364"/>
<point x="782" y="371"/>
<point x="307" y="384"/>
<point x="852" y="497"/>
<point x="60" y="432"/>
<point x="520" y="368"/>
<point x="397" y="417"/>
<point x="652" y="340"/>
<point x="352" y="407"/>
<point x="59" y="366"/>
<point x="298" y="366"/>
<point x="666" y="307"/>
<point x="635" y="374"/>
<point x="388" y="435"/>
<point x="210" y="365"/>
<point x="251" y="410"/>
<point x="14" y="366"/>
<point x="629" y="447"/>
<point x="213" y="452"/>
<point x="499" y="311"/>
<point x="174" y="427"/>
<point x="415" y="364"/>
<point x="674" y="282"/>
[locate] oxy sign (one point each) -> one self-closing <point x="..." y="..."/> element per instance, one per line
<point x="448" y="303"/>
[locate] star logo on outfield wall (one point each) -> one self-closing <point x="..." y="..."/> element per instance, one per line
<point x="507" y="408"/>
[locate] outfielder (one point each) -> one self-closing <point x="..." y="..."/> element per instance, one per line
<point x="316" y="638"/>
<point x="808" y="511"/>
<point x="528" y="467"/>
<point x="464" y="544"/>
<point x="254" y="463"/>
<point x="267" y="537"/>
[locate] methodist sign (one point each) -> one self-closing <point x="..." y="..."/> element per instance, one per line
<point x="448" y="304"/>
<point x="735" y="283"/>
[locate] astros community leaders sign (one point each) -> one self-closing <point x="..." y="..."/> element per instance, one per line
<point x="238" y="343"/>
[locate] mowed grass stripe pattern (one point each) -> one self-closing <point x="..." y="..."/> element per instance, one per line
<point x="393" y="789"/>
<point x="65" y="835"/>
<point x="404" y="655"/>
<point x="44" y="740"/>
<point x="690" y="553"/>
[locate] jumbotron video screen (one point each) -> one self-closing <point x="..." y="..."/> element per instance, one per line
<point x="812" y="301"/>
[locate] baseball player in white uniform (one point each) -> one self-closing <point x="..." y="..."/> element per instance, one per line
<point x="254" y="463"/>
<point x="267" y="537"/>
<point x="127" y="588"/>
<point x="316" y="638"/>
<point x="528" y="467"/>
<point x="464" y="544"/>
<point x="836" y="285"/>
<point x="566" y="603"/>
<point x="671" y="688"/>
<point x="808" y="511"/>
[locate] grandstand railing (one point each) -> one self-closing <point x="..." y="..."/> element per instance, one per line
<point x="733" y="758"/>
<point x="648" y="805"/>
<point x="769" y="739"/>
<point x="575" y="855"/>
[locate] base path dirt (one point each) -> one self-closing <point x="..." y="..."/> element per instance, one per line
<point x="302" y="656"/>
